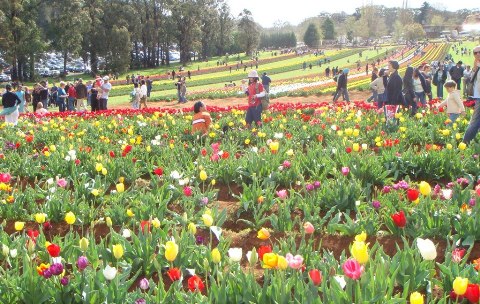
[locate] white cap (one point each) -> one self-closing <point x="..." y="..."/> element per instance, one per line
<point x="252" y="73"/>
<point x="106" y="78"/>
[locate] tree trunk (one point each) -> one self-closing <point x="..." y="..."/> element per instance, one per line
<point x="32" y="67"/>
<point x="93" y="60"/>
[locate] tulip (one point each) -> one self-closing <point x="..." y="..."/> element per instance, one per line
<point x="425" y="188"/>
<point x="427" y="249"/>
<point x="359" y="251"/>
<point x="235" y="254"/>
<point x="399" y="219"/>
<point x="108" y="221"/>
<point x="156" y="223"/>
<point x="13" y="253"/>
<point x="295" y="262"/>
<point x="40" y="218"/>
<point x="120" y="187"/>
<point x="282" y="263"/>
<point x="118" y="251"/>
<point x="64" y="281"/>
<point x="109" y="273"/>
<point x="53" y="250"/>
<point x="187" y="191"/>
<point x="5" y="250"/>
<point x="216" y="256"/>
<point x="82" y="262"/>
<point x="316" y="276"/>
<point x="263" y="234"/>
<point x="192" y="228"/>
<point x="462" y="146"/>
<point x="270" y="260"/>
<point x="352" y="269"/>
<point x="130" y="213"/>
<point x="70" y="218"/>
<point x="252" y="257"/>
<point x="473" y="293"/>
<point x="460" y="285"/>
<point x="362" y="237"/>
<point x="356" y="147"/>
<point x="457" y="255"/>
<point x="19" y="226"/>
<point x="416" y="298"/>
<point x="144" y="284"/>
<point x="345" y="171"/>
<point x="412" y="194"/>
<point x="95" y="192"/>
<point x="174" y="274"/>
<point x="195" y="284"/>
<point x="282" y="194"/>
<point x="308" y="228"/>
<point x="203" y="175"/>
<point x="207" y="219"/>
<point x="61" y="183"/>
<point x="84" y="244"/>
<point x="171" y="251"/>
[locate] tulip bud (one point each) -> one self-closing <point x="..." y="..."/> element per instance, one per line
<point x="19" y="226"/>
<point x="118" y="251"/>
<point x="108" y="221"/>
<point x="216" y="256"/>
<point x="40" y="218"/>
<point x="192" y="228"/>
<point x="84" y="244"/>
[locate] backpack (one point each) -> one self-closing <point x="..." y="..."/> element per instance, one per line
<point x="265" y="99"/>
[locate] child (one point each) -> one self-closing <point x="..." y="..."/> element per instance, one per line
<point x="136" y="96"/>
<point x="41" y="111"/>
<point x="201" y="120"/>
<point x="453" y="101"/>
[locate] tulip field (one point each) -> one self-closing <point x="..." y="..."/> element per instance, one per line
<point x="320" y="203"/>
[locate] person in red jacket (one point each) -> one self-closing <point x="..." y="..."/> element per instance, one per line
<point x="254" y="92"/>
<point x="72" y="96"/>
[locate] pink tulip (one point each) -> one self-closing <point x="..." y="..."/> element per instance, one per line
<point x="5" y="177"/>
<point x="61" y="182"/>
<point x="352" y="269"/>
<point x="286" y="164"/>
<point x="345" y="170"/>
<point x="295" y="262"/>
<point x="282" y="194"/>
<point x="215" y="147"/>
<point x="214" y="157"/>
<point x="308" y="228"/>
<point x="187" y="190"/>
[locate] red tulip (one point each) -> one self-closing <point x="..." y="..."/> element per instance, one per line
<point x="412" y="194"/>
<point x="158" y="171"/>
<point x="348" y="149"/>
<point x="53" y="250"/>
<point x="195" y="284"/>
<point x="112" y="154"/>
<point x="145" y="225"/>
<point x="316" y="276"/>
<point x="174" y="274"/>
<point x="399" y="219"/>
<point x="264" y="249"/>
<point x="472" y="293"/>
<point x="33" y="234"/>
<point x="204" y="152"/>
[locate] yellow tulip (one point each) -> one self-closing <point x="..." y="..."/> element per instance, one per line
<point x="270" y="260"/>
<point x="274" y="146"/>
<point x="263" y="234"/>
<point x="98" y="167"/>
<point x="213" y="182"/>
<point x="207" y="219"/>
<point x="203" y="175"/>
<point x="216" y="256"/>
<point x="462" y="146"/>
<point x="130" y="213"/>
<point x="156" y="223"/>
<point x="40" y="218"/>
<point x="460" y="285"/>
<point x="120" y="187"/>
<point x="19" y="226"/>
<point x="95" y="192"/>
<point x="359" y="251"/>
<point x="192" y="228"/>
<point x="70" y="218"/>
<point x="416" y="297"/>
<point x="104" y="171"/>
<point x="83" y="244"/>
<point x="362" y="237"/>
<point x="282" y="263"/>
<point x="118" y="251"/>
<point x="171" y="251"/>
<point x="108" y="221"/>
<point x="247" y="141"/>
<point x="424" y="188"/>
<point x="449" y="146"/>
<point x="356" y="147"/>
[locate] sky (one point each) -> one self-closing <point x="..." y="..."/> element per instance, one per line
<point x="267" y="12"/>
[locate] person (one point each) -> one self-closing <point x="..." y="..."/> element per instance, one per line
<point x="10" y="102"/>
<point x="342" y="86"/>
<point x="183" y="89"/>
<point x="89" y="92"/>
<point x="41" y="111"/>
<point x="409" y="91"/>
<point x="178" y="84"/>
<point x="456" y="74"/>
<point x="378" y="86"/>
<point x="453" y="102"/>
<point x="266" y="82"/>
<point x="21" y="95"/>
<point x="254" y="92"/>
<point x="136" y="96"/>
<point x="420" y="87"/>
<point x="72" y="95"/>
<point x="201" y="119"/>
<point x="82" y="92"/>
<point x="105" y="88"/>
<point x="394" y="90"/>
<point x="427" y="75"/>
<point x="374" y="91"/>
<point x="143" y="94"/>
<point x="467" y="74"/>
<point x="190" y="74"/>
<point x="61" y="95"/>
<point x="43" y="92"/>
<point x="173" y="74"/>
<point x="439" y="79"/>
<point x="94" y="102"/>
<point x="35" y="96"/>
<point x="474" y="124"/>
<point x="149" y="84"/>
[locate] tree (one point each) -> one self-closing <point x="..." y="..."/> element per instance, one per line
<point x="185" y="17"/>
<point x="414" y="32"/>
<point x="249" y="35"/>
<point x="311" y="37"/>
<point x="328" y="29"/>
<point x="117" y="57"/>
<point x="422" y="17"/>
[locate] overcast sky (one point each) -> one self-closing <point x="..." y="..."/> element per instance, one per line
<point x="266" y="12"/>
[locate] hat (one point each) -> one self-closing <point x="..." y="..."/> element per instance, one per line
<point x="345" y="71"/>
<point x="253" y="74"/>
<point x="394" y="64"/>
<point x="106" y="78"/>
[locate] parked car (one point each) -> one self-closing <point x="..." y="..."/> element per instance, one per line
<point x="4" y="78"/>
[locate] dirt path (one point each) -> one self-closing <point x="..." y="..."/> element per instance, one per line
<point x="233" y="101"/>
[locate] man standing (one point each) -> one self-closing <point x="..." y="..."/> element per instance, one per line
<point x="81" y="90"/>
<point x="149" y="83"/>
<point x="266" y="82"/>
<point x="342" y="86"/>
<point x="439" y="79"/>
<point x="105" y="88"/>
<point x="456" y="73"/>
<point x="474" y="124"/>
<point x="394" y="91"/>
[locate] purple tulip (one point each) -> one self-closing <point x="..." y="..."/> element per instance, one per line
<point x="386" y="189"/>
<point x="472" y="202"/>
<point x="144" y="284"/>
<point x="47" y="273"/>
<point x="64" y="281"/>
<point x="309" y="187"/>
<point x="82" y="262"/>
<point x="199" y="240"/>
<point x="140" y="301"/>
<point x="345" y="171"/>
<point x="376" y="204"/>
<point x="56" y="268"/>
<point x="316" y="184"/>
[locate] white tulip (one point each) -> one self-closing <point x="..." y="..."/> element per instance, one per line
<point x="126" y="233"/>
<point x="235" y="254"/>
<point x="5" y="250"/>
<point x="13" y="253"/>
<point x="110" y="273"/>
<point x="427" y="249"/>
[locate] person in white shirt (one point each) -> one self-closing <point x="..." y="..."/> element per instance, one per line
<point x="105" y="88"/>
<point x="41" y="111"/>
<point x="453" y="101"/>
<point x="143" y="98"/>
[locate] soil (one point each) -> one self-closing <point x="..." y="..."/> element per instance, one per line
<point x="233" y="101"/>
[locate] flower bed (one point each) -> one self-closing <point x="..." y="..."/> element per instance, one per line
<point x="309" y="207"/>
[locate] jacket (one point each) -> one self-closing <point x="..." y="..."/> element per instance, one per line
<point x="435" y="78"/>
<point x="81" y="91"/>
<point x="342" y="81"/>
<point x="377" y="85"/>
<point x="454" y="103"/>
<point x="394" y="90"/>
